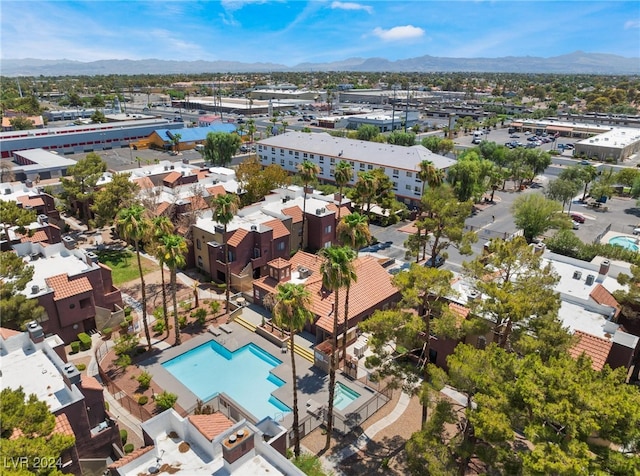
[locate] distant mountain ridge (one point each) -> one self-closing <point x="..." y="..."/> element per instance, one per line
<point x="577" y="62"/>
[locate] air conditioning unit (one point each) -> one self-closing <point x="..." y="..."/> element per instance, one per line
<point x="577" y="274"/>
<point x="473" y="295"/>
<point x="304" y="272"/>
<point x="590" y="279"/>
<point x="254" y="227"/>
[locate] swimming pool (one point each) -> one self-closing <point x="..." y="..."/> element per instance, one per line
<point x="344" y="396"/>
<point x="625" y="242"/>
<point x="245" y="375"/>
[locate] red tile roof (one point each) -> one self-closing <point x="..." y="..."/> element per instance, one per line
<point x="597" y="348"/>
<point x="6" y="333"/>
<point x="172" y="177"/>
<point x="37" y="237"/>
<point x="63" y="287"/>
<point x="126" y="459"/>
<point x="278" y="263"/>
<point x="144" y="183"/>
<point x="460" y="311"/>
<point x="162" y="207"/>
<point x="602" y="296"/>
<point x="91" y="383"/>
<point x="279" y="230"/>
<point x="237" y="237"/>
<point x="216" y="190"/>
<point x="343" y="212"/>
<point x="211" y="425"/>
<point x="198" y="203"/>
<point x="29" y="201"/>
<point x="63" y="426"/>
<point x="294" y="212"/>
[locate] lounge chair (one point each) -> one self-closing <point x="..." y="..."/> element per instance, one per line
<point x="215" y="331"/>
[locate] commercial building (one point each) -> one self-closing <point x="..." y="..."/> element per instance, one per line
<point x="401" y="164"/>
<point x="39" y="164"/>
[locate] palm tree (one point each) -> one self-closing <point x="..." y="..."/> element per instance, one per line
<point x="175" y="140"/>
<point x="354" y="232"/>
<point x="161" y="226"/>
<point x="224" y="208"/>
<point x="175" y="249"/>
<point x="308" y="172"/>
<point x="343" y="175"/>
<point x="366" y="189"/>
<point x="292" y="310"/>
<point x="589" y="174"/>
<point x="430" y="175"/>
<point x="132" y="226"/>
<point x="337" y="271"/>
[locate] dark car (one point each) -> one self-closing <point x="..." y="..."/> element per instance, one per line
<point x="439" y="261"/>
<point x="577" y="217"/>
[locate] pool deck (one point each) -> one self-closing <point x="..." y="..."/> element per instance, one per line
<point x="612" y="234"/>
<point x="313" y="391"/>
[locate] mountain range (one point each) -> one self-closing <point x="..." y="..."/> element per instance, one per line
<point x="577" y="62"/>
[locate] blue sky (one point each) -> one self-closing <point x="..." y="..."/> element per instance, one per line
<point x="293" y="32"/>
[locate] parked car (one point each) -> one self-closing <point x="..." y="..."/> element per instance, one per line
<point x="577" y="217"/>
<point x="400" y="269"/>
<point x="514" y="136"/>
<point x="575" y="225"/>
<point x="431" y="263"/>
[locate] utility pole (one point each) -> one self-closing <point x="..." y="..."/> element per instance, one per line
<point x="406" y="110"/>
<point x="393" y="108"/>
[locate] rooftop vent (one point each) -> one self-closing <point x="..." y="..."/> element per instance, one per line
<point x="304" y="272"/>
<point x="577" y="274"/>
<point x="590" y="279"/>
<point x="254" y="227"/>
<point x="35" y="289"/>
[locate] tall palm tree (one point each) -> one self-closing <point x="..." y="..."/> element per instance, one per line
<point x="354" y="232"/>
<point x="175" y="249"/>
<point x="589" y="174"/>
<point x="430" y="175"/>
<point x="160" y="226"/>
<point x="224" y="208"/>
<point x="366" y="189"/>
<point x="343" y="175"/>
<point x="337" y="270"/>
<point x="132" y="226"/>
<point x="292" y="310"/>
<point x="308" y="173"/>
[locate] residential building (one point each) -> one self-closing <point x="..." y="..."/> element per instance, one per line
<point x="39" y="365"/>
<point x="37" y="121"/>
<point x="208" y="445"/>
<point x="74" y="288"/>
<point x="401" y="164"/>
<point x="305" y="268"/>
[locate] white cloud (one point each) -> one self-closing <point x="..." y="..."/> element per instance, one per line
<point x="399" y="33"/>
<point x="351" y="6"/>
<point x="632" y="24"/>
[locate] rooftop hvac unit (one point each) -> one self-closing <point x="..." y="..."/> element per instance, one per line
<point x="473" y="295"/>
<point x="254" y="228"/>
<point x="577" y="275"/>
<point x="303" y="272"/>
<point x="590" y="279"/>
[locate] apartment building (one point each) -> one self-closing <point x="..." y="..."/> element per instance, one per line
<point x="401" y="164"/>
<point x="74" y="288"/>
<point x="39" y="365"/>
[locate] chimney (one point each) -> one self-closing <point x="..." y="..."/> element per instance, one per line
<point x="604" y="267"/>
<point x="35" y="332"/>
<point x="71" y="374"/>
<point x="235" y="446"/>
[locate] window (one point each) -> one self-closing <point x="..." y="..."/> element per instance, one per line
<point x="396" y="172"/>
<point x="321" y="170"/>
<point x="395" y="185"/>
<point x="352" y="163"/>
<point x="273" y="160"/>
<point x="84" y="303"/>
<point x="280" y="246"/>
<point x="312" y="156"/>
<point x="327" y="229"/>
<point x="200" y="264"/>
<point x="332" y="172"/>
<point x="416" y="189"/>
<point x="332" y="160"/>
<point x="370" y="167"/>
<point x="407" y="187"/>
<point x="281" y="151"/>
<point x="198" y="244"/>
<point x="321" y="160"/>
<point x="327" y="245"/>
<point x="410" y="174"/>
<point x="273" y="150"/>
<point x="361" y="166"/>
<point x="304" y="155"/>
<point x="281" y="161"/>
<point x="290" y="152"/>
<point x="297" y="154"/>
<point x="291" y="162"/>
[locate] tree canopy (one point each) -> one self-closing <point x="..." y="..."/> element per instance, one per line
<point x="220" y="147"/>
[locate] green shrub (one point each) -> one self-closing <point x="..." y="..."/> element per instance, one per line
<point x="182" y="321"/>
<point x="123" y="436"/>
<point x="85" y="341"/>
<point x="123" y="361"/>
<point x="124" y="325"/>
<point x="81" y="367"/>
<point x="142" y="399"/>
<point x="75" y="347"/>
<point x="107" y="331"/>
<point x="144" y="379"/>
<point x="159" y="326"/>
<point x="201" y="316"/>
<point x="166" y="400"/>
<point x="215" y="306"/>
<point x="127" y="311"/>
<point x="128" y="448"/>
<point x="106" y="406"/>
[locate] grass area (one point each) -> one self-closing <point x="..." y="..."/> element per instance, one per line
<point x="309" y="464"/>
<point x="124" y="265"/>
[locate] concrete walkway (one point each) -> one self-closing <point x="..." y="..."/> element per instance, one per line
<point x="331" y="462"/>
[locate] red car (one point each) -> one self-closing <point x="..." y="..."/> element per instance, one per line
<point x="577" y="217"/>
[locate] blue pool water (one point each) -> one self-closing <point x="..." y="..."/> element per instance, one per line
<point x="245" y="375"/>
<point x="625" y="242"/>
<point x="344" y="396"/>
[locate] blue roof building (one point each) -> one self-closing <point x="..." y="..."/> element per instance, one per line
<point x="189" y="136"/>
